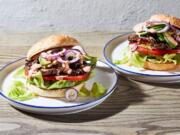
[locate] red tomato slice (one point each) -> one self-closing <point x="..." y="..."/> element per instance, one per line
<point x="61" y="77"/>
<point x="69" y="78"/>
<point x="146" y="51"/>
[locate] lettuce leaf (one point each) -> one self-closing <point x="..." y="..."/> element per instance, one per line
<point x="62" y="84"/>
<point x="18" y="92"/>
<point x="169" y="58"/>
<point x="91" y="59"/>
<point x="19" y="73"/>
<point x="96" y="91"/>
<point x="137" y="60"/>
<point x="84" y="92"/>
<point x="177" y="58"/>
<point x="37" y="80"/>
<point x="130" y="58"/>
<point x="172" y="58"/>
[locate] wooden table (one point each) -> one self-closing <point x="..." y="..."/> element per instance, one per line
<point x="133" y="109"/>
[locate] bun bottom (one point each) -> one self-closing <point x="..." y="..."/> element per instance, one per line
<point x="159" y="67"/>
<point x="59" y="93"/>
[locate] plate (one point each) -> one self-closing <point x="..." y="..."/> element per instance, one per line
<point x="112" y="51"/>
<point x="104" y="74"/>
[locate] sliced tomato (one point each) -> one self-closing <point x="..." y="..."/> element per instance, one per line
<point x="147" y="51"/>
<point x="63" y="77"/>
<point x="69" y="78"/>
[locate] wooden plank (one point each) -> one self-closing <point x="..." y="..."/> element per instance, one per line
<point x="135" y="108"/>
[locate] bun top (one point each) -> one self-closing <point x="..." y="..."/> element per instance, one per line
<point x="51" y="42"/>
<point x="159" y="17"/>
<point x="166" y="18"/>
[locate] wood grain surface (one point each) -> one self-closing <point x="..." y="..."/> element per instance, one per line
<point x="134" y="108"/>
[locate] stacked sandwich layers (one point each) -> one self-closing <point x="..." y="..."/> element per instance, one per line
<point x="157" y="42"/>
<point x="55" y="64"/>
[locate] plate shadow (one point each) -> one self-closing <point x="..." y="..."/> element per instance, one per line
<point x="122" y="97"/>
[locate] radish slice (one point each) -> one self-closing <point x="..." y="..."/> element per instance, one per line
<point x="71" y="94"/>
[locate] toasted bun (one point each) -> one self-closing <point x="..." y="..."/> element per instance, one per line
<point x="51" y="42"/>
<point x="166" y="18"/>
<point x="159" y="67"/>
<point x="50" y="93"/>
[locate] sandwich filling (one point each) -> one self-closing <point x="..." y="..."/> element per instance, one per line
<point x="59" y="68"/>
<point x="155" y="42"/>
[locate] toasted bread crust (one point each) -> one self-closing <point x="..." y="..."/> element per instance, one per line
<point x="166" y="18"/>
<point x="159" y="67"/>
<point x="50" y="42"/>
<point x="60" y="93"/>
<point x="159" y="17"/>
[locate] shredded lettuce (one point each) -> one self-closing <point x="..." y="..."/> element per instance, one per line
<point x="37" y="80"/>
<point x="18" y="92"/>
<point x="19" y="73"/>
<point x="130" y="58"/>
<point x="172" y="58"/>
<point x="169" y="58"/>
<point x="137" y="60"/>
<point x="96" y="91"/>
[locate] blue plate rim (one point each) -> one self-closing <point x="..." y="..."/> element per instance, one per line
<point x="58" y="107"/>
<point x="108" y="61"/>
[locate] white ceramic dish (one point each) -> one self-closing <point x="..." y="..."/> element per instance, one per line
<point x="40" y="105"/>
<point x="112" y="51"/>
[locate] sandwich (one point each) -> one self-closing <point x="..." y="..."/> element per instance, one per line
<point x="155" y="44"/>
<point x="58" y="66"/>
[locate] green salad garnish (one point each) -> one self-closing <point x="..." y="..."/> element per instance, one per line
<point x="19" y="73"/>
<point x="136" y="59"/>
<point x="18" y="92"/>
<point x="96" y="91"/>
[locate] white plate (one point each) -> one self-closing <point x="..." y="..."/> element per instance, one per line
<point x="41" y="105"/>
<point x="112" y="51"/>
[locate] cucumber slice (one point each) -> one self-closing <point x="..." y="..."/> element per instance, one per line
<point x="170" y="40"/>
<point x="160" y="37"/>
<point x="43" y="61"/>
<point x="157" y="26"/>
<point x="143" y="33"/>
